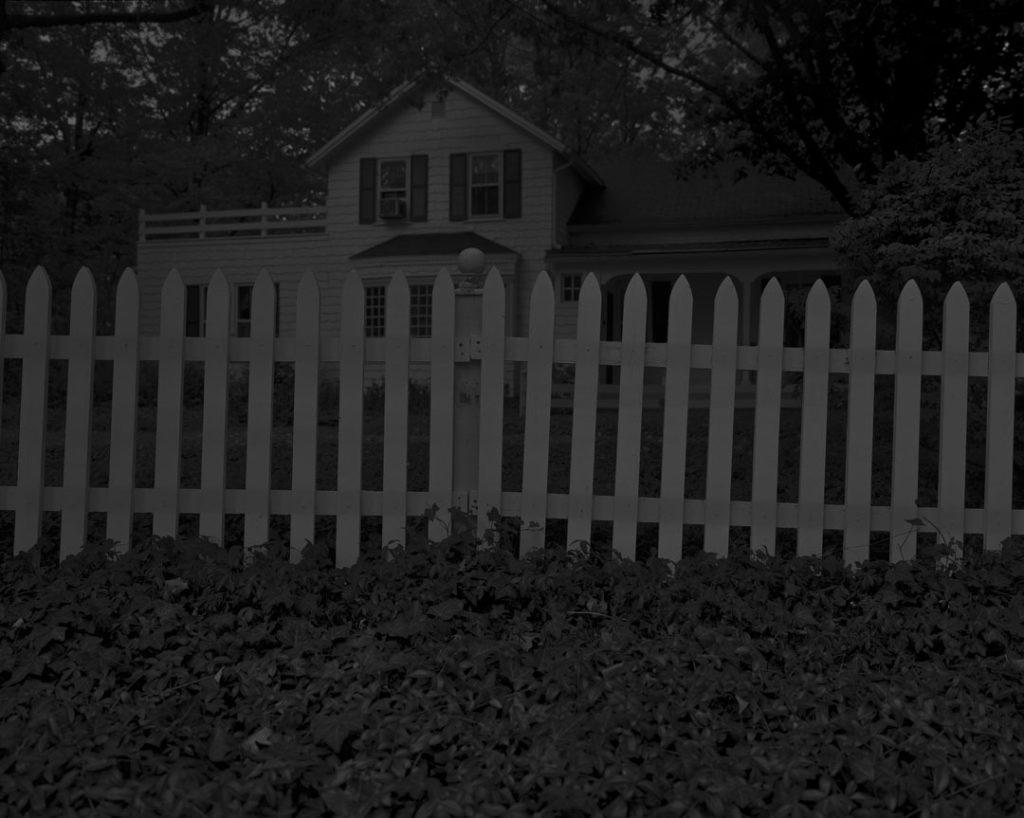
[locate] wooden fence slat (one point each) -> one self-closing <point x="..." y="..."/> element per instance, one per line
<point x="631" y="412"/>
<point x="584" y="412"/>
<point x="492" y="398"/>
<point x="167" y="471"/>
<point x="78" y="424"/>
<point x="906" y="423"/>
<point x="721" y="417"/>
<point x="814" y="421"/>
<point x="860" y="411"/>
<point x="396" y="411"/>
<point x="442" y="403"/>
<point x="260" y="425"/>
<point x="1002" y="391"/>
<point x="34" y="411"/>
<point x="305" y="414"/>
<point x="350" y="421"/>
<point x="953" y="416"/>
<point x="215" y="407"/>
<point x="764" y="487"/>
<point x="537" y="422"/>
<point x="124" y="411"/>
<point x="3" y="339"/>
<point x="676" y="415"/>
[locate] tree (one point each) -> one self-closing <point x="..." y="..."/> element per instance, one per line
<point x="955" y="213"/>
<point x="832" y="90"/>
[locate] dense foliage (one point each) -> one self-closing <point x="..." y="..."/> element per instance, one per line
<point x="447" y="679"/>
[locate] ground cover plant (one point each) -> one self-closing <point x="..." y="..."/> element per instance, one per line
<point x="453" y="679"/>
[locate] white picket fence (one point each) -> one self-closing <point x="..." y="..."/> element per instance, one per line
<point x="467" y="356"/>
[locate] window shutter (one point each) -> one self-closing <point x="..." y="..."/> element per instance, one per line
<point x="512" y="204"/>
<point x="367" y="190"/>
<point x="418" y="191"/>
<point x="458" y="188"/>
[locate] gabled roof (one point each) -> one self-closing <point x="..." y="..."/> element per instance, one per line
<point x="432" y="244"/>
<point x="403" y="92"/>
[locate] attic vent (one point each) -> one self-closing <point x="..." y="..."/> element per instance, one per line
<point x="437" y="109"/>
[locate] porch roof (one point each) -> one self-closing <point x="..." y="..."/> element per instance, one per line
<point x="432" y="244"/>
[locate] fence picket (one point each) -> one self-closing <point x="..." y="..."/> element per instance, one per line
<point x="721" y="415"/>
<point x="860" y="410"/>
<point x="953" y="413"/>
<point x="260" y="425"/>
<point x="767" y="417"/>
<point x="474" y="330"/>
<point x="442" y="403"/>
<point x="814" y="421"/>
<point x="492" y="399"/>
<point x="215" y="407"/>
<point x="34" y="411"/>
<point x="350" y="421"/>
<point x="167" y="468"/>
<point x="537" y="428"/>
<point x="1002" y="389"/>
<point x="631" y="411"/>
<point x="676" y="415"/>
<point x="78" y="424"/>
<point x="305" y="415"/>
<point x="396" y="411"/>
<point x="906" y="421"/>
<point x="584" y="412"/>
<point x="124" y="412"/>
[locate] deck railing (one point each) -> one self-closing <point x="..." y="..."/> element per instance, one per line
<point x="219" y="224"/>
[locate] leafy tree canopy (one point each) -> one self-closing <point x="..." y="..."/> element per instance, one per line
<point x="834" y="90"/>
<point x="956" y="213"/>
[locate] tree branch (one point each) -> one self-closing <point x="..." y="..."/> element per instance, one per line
<point x="10" y="20"/>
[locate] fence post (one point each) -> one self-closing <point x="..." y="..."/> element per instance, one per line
<point x="468" y="326"/>
<point x="202" y="221"/>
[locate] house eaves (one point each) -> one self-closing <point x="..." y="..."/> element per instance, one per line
<point x="368" y="118"/>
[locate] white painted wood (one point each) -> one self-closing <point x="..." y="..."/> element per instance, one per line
<point x="213" y="476"/>
<point x="672" y="516"/>
<point x="584" y="413"/>
<point x="123" y="412"/>
<point x="167" y="469"/>
<point x="260" y="426"/>
<point x="396" y="411"/>
<point x="78" y="423"/>
<point x="764" y="486"/>
<point x="953" y="414"/>
<point x="537" y="429"/>
<point x="721" y="416"/>
<point x="813" y="421"/>
<point x="492" y="398"/>
<point x="860" y="411"/>
<point x="1002" y="390"/>
<point x="305" y="416"/>
<point x="350" y="422"/>
<point x="906" y="421"/>
<point x="631" y="407"/>
<point x="442" y="406"/>
<point x="34" y="402"/>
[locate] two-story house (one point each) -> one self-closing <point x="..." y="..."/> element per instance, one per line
<point x="432" y="171"/>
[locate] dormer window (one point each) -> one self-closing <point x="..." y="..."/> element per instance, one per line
<point x="394" y="174"/>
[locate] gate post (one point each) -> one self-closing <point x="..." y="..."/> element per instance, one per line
<point x="468" y="324"/>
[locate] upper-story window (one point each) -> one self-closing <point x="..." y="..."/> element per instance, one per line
<point x="393" y="189"/>
<point x="486" y="184"/>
